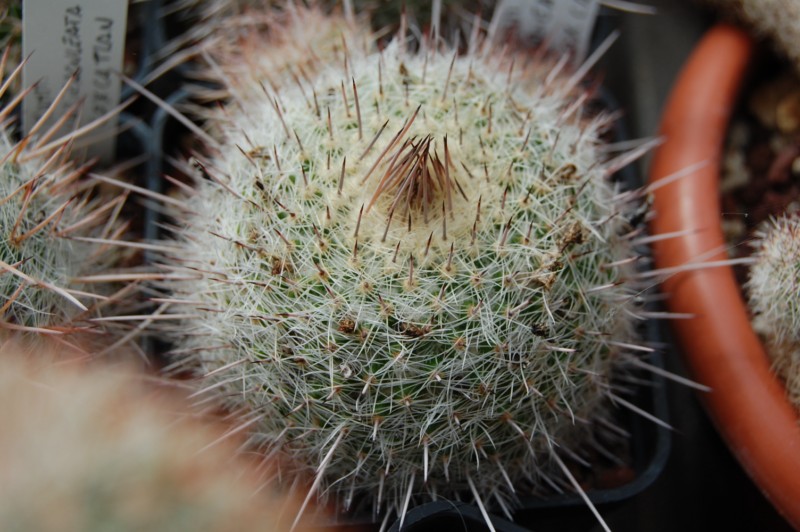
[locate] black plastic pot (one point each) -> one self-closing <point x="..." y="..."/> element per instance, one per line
<point x="451" y="516"/>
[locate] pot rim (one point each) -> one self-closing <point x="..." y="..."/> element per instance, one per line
<point x="718" y="342"/>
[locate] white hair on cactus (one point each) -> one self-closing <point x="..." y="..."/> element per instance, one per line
<point x="773" y="287"/>
<point x="420" y="280"/>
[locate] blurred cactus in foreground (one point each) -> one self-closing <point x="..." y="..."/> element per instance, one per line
<point x="89" y="449"/>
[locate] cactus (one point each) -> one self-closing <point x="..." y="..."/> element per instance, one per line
<point x="297" y="30"/>
<point x="775" y="19"/>
<point x="773" y="287"/>
<point x="10" y="25"/>
<point x="271" y="46"/>
<point x="11" y="32"/>
<point x="413" y="269"/>
<point x="455" y="15"/>
<point x="56" y="233"/>
<point x="92" y="449"/>
<point x="302" y="38"/>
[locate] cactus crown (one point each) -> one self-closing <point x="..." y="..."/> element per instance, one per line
<point x="411" y="269"/>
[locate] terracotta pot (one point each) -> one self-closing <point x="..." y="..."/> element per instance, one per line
<point x="747" y="402"/>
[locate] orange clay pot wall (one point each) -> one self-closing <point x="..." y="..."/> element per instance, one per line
<point x="747" y="403"/>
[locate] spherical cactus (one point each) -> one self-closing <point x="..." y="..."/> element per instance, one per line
<point x="419" y="279"/>
<point x="93" y="449"/>
<point x="55" y="234"/>
<point x="773" y="291"/>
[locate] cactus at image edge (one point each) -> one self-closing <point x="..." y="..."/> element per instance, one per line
<point x="773" y="289"/>
<point x="56" y="234"/>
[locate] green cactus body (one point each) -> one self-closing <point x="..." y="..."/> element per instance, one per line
<point x="773" y="287"/>
<point x="418" y="280"/>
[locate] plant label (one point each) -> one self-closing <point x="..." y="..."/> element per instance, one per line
<point x="565" y="25"/>
<point x="74" y="51"/>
